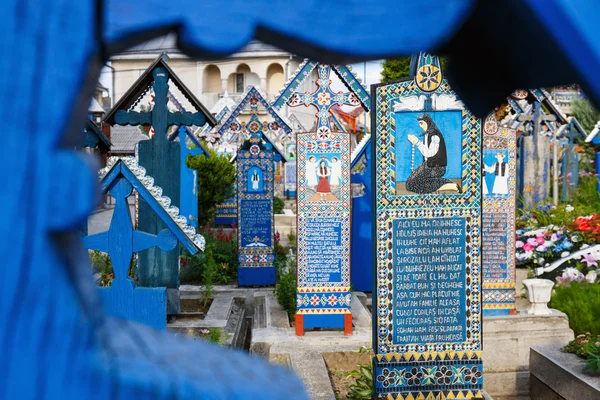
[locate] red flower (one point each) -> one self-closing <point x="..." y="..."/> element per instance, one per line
<point x="584" y="226"/>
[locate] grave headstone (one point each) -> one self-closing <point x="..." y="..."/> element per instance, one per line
<point x="255" y="186"/>
<point x="427" y="184"/>
<point x="498" y="218"/>
<point x="256" y="234"/>
<point x="323" y="274"/>
<point x="122" y="298"/>
<point x="162" y="160"/>
<point x="324" y="281"/>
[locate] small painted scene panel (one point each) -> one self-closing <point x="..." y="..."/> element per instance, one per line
<point x="323" y="175"/>
<point x="496" y="172"/>
<point x="255" y="180"/>
<point x="428" y="152"/>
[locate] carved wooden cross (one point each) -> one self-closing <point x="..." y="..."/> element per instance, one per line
<point x="160" y="118"/>
<point x="120" y="242"/>
<point x="323" y="99"/>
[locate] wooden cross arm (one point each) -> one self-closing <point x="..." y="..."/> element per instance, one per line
<point x="133" y="118"/>
<point x="99" y="242"/>
<point x="165" y="240"/>
<point x="186" y="118"/>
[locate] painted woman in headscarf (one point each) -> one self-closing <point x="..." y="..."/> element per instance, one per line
<point x="427" y="178"/>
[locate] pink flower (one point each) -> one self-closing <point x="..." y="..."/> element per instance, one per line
<point x="540" y="240"/>
<point x="519" y="244"/>
<point x="528" y="247"/>
<point x="590" y="260"/>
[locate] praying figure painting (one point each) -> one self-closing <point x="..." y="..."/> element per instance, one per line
<point x="428" y="152"/>
<point x="323" y="173"/>
<point x="496" y="173"/>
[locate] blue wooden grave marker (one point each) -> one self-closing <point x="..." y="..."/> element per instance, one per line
<point x="162" y="160"/>
<point x="324" y="99"/>
<point x="256" y="233"/>
<point x="189" y="178"/>
<point x="362" y="217"/>
<point x="255" y="188"/>
<point x="498" y="218"/>
<point x="427" y="294"/>
<point x="122" y="299"/>
<point x="251" y="101"/>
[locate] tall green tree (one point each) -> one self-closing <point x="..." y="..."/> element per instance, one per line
<point x="216" y="179"/>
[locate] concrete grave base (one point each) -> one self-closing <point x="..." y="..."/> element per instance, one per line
<point x="560" y="376"/>
<point x="506" y="343"/>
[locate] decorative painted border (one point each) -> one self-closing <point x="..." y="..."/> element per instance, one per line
<point x="330" y="297"/>
<point x="390" y="206"/>
<point x="255" y="257"/>
<point x="499" y="294"/>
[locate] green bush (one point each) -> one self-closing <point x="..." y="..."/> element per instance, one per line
<point x="224" y="259"/>
<point x="278" y="205"/>
<point x="216" y="178"/>
<point x="286" y="291"/>
<point x="587" y="347"/>
<point x="581" y="303"/>
<point x="362" y="388"/>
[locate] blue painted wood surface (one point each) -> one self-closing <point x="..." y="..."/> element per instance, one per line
<point x="56" y="341"/>
<point x="361" y="254"/>
<point x="122" y="299"/>
<point x="94" y="138"/>
<point x="188" y="196"/>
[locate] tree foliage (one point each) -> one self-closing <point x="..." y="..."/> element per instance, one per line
<point x="395" y="68"/>
<point x="216" y="179"/>
<point x="399" y="68"/>
<point x="585" y="113"/>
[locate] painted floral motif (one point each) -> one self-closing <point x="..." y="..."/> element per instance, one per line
<point x="443" y="376"/>
<point x="413" y="377"/>
<point x="314" y="300"/>
<point x="472" y="375"/>
<point x="429" y="77"/>
<point x="387" y="377"/>
<point x="324" y="98"/>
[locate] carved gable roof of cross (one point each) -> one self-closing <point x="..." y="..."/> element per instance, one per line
<point x="323" y="98"/>
<point x="93" y="137"/>
<point x="157" y="77"/>
<point x="256" y="128"/>
<point x="120" y="177"/>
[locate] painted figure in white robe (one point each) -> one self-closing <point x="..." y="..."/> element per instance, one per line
<point x="500" y="171"/>
<point x="311" y="172"/>
<point x="255" y="178"/>
<point x="336" y="172"/>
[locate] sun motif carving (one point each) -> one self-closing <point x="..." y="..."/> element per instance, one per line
<point x="429" y="77"/>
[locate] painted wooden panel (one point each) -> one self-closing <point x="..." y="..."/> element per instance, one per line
<point x="427" y="251"/>
<point x="498" y="218"/>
